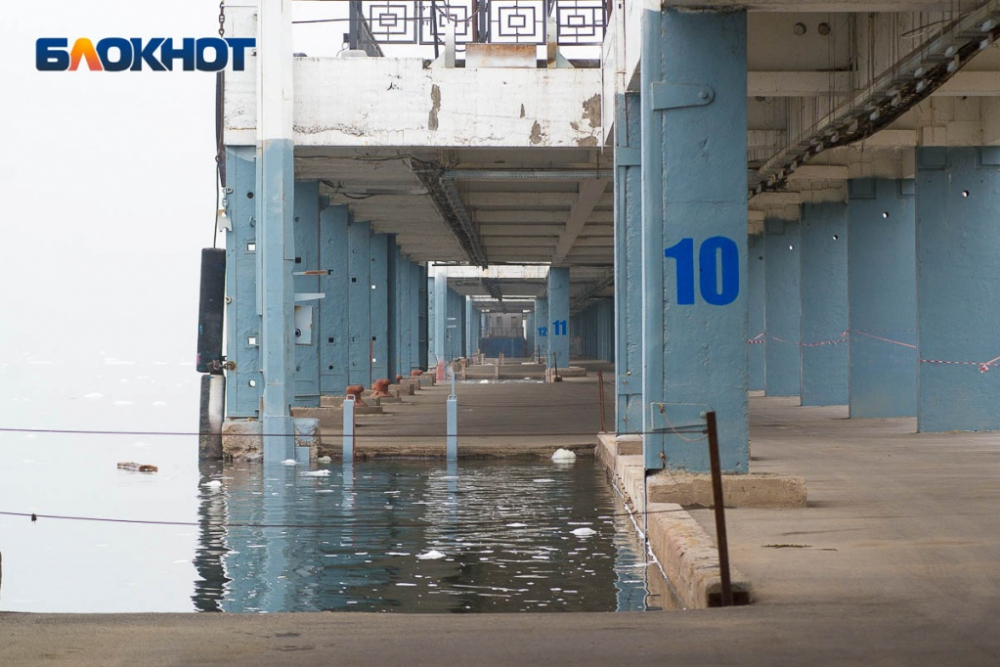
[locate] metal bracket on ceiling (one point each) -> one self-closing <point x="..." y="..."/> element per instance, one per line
<point x="667" y="96"/>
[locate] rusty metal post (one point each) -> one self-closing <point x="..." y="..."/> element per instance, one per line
<point x="720" y="515"/>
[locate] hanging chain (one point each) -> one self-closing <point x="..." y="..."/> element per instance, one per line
<point x="222" y="18"/>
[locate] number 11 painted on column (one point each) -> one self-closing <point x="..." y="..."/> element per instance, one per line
<point x="712" y="250"/>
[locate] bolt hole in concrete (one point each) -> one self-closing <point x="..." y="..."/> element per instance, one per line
<point x="885" y="214"/>
<point x="965" y="193"/>
<point x="836" y="238"/>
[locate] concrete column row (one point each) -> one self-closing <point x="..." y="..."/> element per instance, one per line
<point x="884" y="303"/>
<point x="357" y="311"/>
<point x="593" y="331"/>
<point x="447" y="316"/>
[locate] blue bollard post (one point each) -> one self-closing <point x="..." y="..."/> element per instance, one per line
<point x="348" y="430"/>
<point x="452" y="442"/>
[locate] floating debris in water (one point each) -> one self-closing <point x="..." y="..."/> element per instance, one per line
<point x="584" y="532"/>
<point x="433" y="554"/>
<point x="316" y="473"/>
<point x="289" y="462"/>
<point x="137" y="467"/>
<point x="323" y="460"/>
<point x="563" y="455"/>
<point x="214" y="484"/>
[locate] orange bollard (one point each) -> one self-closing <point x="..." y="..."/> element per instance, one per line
<point x="356" y="390"/>
<point x="381" y="387"/>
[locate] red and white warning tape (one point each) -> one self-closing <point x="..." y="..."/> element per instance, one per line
<point x="984" y="367"/>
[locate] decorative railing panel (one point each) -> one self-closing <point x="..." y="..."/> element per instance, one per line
<point x="578" y="22"/>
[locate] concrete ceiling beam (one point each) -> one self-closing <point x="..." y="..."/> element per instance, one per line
<point x="590" y="194"/>
<point x="798" y="84"/>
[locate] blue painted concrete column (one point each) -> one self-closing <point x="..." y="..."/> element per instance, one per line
<point x="472" y="323"/>
<point x="359" y="303"/>
<point x="306" y="313"/>
<point x="882" y="298"/>
<point x="756" y="290"/>
<point x="607" y="330"/>
<point x="334" y="331"/>
<point x="542" y="329"/>
<point x="276" y="249"/>
<point x="782" y="301"/>
<point x="454" y="326"/>
<point x="628" y="263"/>
<point x="415" y="281"/>
<point x="243" y="384"/>
<point x="529" y="333"/>
<point x="694" y="88"/>
<point x="558" y="322"/>
<point x="824" y="304"/>
<point x="439" y="317"/>
<point x="395" y="309"/>
<point x="423" y="318"/>
<point x="379" y="307"/>
<point x="958" y="237"/>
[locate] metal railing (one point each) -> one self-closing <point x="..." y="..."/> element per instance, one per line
<point x="425" y="22"/>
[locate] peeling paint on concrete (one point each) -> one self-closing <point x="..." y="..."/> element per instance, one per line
<point x="536" y="134"/>
<point x="575" y="126"/>
<point x="522" y="111"/>
<point x="432" y="120"/>
<point x="592" y="110"/>
<point x="586" y="141"/>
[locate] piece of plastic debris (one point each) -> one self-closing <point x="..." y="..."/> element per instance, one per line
<point x="584" y="532"/>
<point x="324" y="460"/>
<point x="289" y="462"/>
<point x="563" y="455"/>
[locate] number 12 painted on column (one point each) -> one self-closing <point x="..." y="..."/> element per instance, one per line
<point x="712" y="250"/>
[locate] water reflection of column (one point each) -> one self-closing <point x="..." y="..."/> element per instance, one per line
<point x="278" y="504"/>
<point x="210" y="587"/>
<point x="630" y="583"/>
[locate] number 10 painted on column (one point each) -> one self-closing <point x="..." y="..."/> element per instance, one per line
<point x="712" y="250"/>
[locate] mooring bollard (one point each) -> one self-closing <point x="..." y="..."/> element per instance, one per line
<point x="451" y="448"/>
<point x="349" y="429"/>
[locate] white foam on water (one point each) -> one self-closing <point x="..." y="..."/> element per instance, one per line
<point x="433" y="554"/>
<point x="289" y="462"/>
<point x="316" y="473"/>
<point x="584" y="532"/>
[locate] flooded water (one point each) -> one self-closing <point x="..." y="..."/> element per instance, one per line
<point x="405" y="536"/>
<point x="418" y="536"/>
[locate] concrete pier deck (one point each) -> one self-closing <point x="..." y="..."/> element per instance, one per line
<point x="893" y="562"/>
<point x="495" y="419"/>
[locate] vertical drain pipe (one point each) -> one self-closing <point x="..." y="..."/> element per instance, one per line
<point x="349" y="429"/>
<point x="452" y="441"/>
